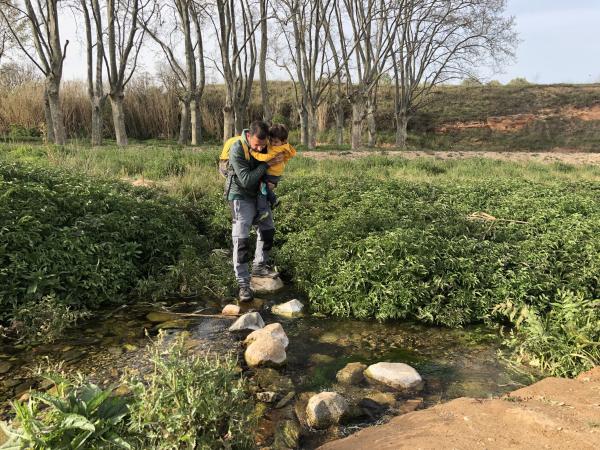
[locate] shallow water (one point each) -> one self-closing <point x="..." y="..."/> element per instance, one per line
<point x="453" y="362"/>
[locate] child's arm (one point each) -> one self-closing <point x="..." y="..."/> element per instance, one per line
<point x="262" y="156"/>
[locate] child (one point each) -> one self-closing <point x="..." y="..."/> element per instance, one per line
<point x="278" y="136"/>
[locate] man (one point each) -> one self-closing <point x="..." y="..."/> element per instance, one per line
<point x="243" y="188"/>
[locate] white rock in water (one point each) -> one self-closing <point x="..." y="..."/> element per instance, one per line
<point x="271" y="331"/>
<point x="396" y="375"/>
<point x="249" y="321"/>
<point x="266" y="285"/>
<point x="326" y="409"/>
<point x="265" y="351"/>
<point x="231" y="310"/>
<point x="288" y="309"/>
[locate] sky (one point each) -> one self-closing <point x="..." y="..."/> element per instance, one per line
<point x="559" y="43"/>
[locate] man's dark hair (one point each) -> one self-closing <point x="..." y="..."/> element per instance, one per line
<point x="259" y="129"/>
<point x="279" y="131"/>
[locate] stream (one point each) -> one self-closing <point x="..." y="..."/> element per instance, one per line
<point x="453" y="362"/>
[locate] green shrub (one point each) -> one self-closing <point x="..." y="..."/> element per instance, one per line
<point x="192" y="402"/>
<point x="86" y="242"/>
<point x="79" y="415"/>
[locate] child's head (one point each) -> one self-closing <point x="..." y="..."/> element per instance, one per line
<point x="278" y="134"/>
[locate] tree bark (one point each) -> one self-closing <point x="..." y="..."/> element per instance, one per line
<point x="339" y="122"/>
<point x="48" y="116"/>
<point x="303" y="113"/>
<point x="402" y="129"/>
<point x="371" y="124"/>
<point x="262" y="70"/>
<point x="184" y="124"/>
<point x="118" y="113"/>
<point x="240" y="116"/>
<point x="311" y="127"/>
<point x="196" y="120"/>
<point x="97" y="119"/>
<point x="53" y="88"/>
<point x="358" y="115"/>
<point x="228" y="121"/>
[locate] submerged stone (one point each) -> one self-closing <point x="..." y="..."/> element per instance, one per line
<point x="287" y="434"/>
<point x="161" y="316"/>
<point x="4" y="366"/>
<point x="180" y="324"/>
<point x="352" y="373"/>
<point x="395" y="375"/>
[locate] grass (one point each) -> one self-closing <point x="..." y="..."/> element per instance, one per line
<point x="392" y="238"/>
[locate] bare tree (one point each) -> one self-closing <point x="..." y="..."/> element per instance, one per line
<point x="442" y="40"/>
<point x="9" y="17"/>
<point x="92" y="19"/>
<point x="305" y="25"/>
<point x="191" y="77"/>
<point x="13" y="74"/>
<point x="367" y="31"/>
<point x="125" y="32"/>
<point x="236" y="38"/>
<point x="262" y="61"/>
<point x="48" y="54"/>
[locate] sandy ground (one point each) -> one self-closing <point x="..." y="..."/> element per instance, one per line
<point x="555" y="413"/>
<point x="565" y="156"/>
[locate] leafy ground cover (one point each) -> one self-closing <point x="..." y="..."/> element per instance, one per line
<point x="185" y="402"/>
<point x="444" y="242"/>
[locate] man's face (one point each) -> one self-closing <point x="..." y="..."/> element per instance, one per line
<point x="256" y="144"/>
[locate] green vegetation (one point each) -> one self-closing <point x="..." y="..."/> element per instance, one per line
<point x="390" y="238"/>
<point x="186" y="402"/>
<point x="192" y="402"/>
<point x="70" y="243"/>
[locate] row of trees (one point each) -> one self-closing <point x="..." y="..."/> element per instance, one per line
<point x="326" y="47"/>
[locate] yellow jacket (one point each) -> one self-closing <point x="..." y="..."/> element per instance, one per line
<point x="273" y="151"/>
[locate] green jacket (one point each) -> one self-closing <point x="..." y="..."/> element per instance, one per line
<point x="247" y="173"/>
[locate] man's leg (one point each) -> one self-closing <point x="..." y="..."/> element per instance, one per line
<point x="242" y="212"/>
<point x="264" y="244"/>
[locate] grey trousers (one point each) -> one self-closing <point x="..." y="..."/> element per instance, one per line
<point x="243" y="213"/>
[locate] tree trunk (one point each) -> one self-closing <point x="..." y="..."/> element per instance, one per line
<point x="402" y="129"/>
<point x="371" y="124"/>
<point x="240" y="117"/>
<point x="48" y="116"/>
<point x="303" y="126"/>
<point x="311" y="127"/>
<point x="184" y="124"/>
<point x="358" y="115"/>
<point x="116" y="103"/>
<point x="339" y="122"/>
<point x="228" y="122"/>
<point x="55" y="111"/>
<point x="264" y="89"/>
<point x="97" y="119"/>
<point x="196" y="122"/>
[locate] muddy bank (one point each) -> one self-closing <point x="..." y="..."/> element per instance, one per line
<point x="552" y="413"/>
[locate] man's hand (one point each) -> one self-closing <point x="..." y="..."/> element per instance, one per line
<point x="276" y="160"/>
<point x="271" y="185"/>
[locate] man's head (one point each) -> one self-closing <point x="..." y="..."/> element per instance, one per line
<point x="278" y="134"/>
<point x="257" y="135"/>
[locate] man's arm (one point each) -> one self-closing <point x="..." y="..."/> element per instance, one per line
<point x="247" y="178"/>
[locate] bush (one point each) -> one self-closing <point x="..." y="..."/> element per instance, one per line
<point x="381" y="249"/>
<point x="192" y="402"/>
<point x="86" y="242"/>
<point x="78" y="415"/>
<point x="186" y="402"/>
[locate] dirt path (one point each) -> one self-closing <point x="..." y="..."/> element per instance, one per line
<point x="566" y="156"/>
<point x="555" y="413"/>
